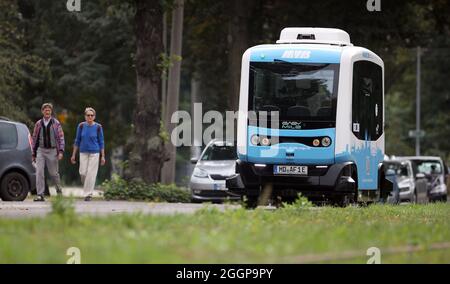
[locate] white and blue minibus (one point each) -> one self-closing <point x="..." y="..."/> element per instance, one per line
<point x="322" y="132"/>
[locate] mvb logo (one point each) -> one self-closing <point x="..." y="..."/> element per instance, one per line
<point x="73" y="5"/>
<point x="303" y="54"/>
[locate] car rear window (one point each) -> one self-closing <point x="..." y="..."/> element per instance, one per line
<point x="8" y="136"/>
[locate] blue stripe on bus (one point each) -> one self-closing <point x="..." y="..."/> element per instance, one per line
<point x="366" y="160"/>
<point x="312" y="55"/>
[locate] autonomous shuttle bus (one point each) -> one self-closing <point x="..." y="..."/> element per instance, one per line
<point x="311" y="120"/>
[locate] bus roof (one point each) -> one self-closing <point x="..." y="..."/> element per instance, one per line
<point x="315" y="36"/>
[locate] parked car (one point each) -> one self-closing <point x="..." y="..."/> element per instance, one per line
<point x="215" y="165"/>
<point x="435" y="172"/>
<point x="405" y="181"/>
<point x="17" y="173"/>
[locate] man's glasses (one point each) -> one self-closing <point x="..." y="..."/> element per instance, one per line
<point x="90" y="115"/>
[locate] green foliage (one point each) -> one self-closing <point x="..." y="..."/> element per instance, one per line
<point x="300" y="203"/>
<point x="63" y="207"/>
<point x="120" y="189"/>
<point x="163" y="134"/>
<point x="167" y="62"/>
<point x="21" y="72"/>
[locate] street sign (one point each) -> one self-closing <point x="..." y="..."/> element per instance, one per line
<point x="415" y="133"/>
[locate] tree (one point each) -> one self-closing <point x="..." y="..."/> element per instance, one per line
<point x="238" y="41"/>
<point x="21" y="71"/>
<point x="148" y="153"/>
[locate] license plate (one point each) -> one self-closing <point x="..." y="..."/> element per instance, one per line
<point x="290" y="170"/>
<point x="219" y="186"/>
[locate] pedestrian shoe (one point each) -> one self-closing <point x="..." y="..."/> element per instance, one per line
<point x="39" y="198"/>
<point x="88" y="198"/>
<point x="59" y="192"/>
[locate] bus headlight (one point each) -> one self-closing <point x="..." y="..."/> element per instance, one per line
<point x="316" y="142"/>
<point x="326" y="141"/>
<point x="265" y="141"/>
<point x="254" y="140"/>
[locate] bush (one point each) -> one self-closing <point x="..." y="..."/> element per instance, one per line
<point x="119" y="189"/>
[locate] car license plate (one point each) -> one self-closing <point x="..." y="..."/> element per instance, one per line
<point x="219" y="186"/>
<point x="290" y="170"/>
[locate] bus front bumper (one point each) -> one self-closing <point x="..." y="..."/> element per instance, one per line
<point x="321" y="181"/>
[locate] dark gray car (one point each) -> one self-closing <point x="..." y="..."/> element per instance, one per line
<point x="17" y="173"/>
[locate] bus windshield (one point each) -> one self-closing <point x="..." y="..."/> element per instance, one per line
<point x="298" y="91"/>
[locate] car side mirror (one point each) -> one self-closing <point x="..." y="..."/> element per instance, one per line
<point x="420" y="176"/>
<point x="194" y="161"/>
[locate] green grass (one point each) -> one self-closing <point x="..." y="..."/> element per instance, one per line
<point x="234" y="236"/>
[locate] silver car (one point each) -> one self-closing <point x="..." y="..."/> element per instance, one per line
<point x="434" y="171"/>
<point x="216" y="164"/>
<point x="405" y="180"/>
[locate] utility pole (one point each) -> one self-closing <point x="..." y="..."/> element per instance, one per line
<point x="164" y="76"/>
<point x="418" y="102"/>
<point x="173" y="87"/>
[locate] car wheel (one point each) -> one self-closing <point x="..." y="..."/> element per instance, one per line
<point x="14" y="187"/>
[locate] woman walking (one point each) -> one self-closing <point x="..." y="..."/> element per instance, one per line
<point x="90" y="141"/>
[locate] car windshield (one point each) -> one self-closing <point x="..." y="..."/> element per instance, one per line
<point x="218" y="153"/>
<point x="399" y="169"/>
<point x="427" y="167"/>
<point x="298" y="91"/>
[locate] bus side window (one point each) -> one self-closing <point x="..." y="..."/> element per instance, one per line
<point x="367" y="97"/>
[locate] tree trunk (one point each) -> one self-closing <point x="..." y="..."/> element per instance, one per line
<point x="173" y="89"/>
<point x="147" y="153"/>
<point x="238" y="42"/>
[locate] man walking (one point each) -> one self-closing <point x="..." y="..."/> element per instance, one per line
<point x="48" y="149"/>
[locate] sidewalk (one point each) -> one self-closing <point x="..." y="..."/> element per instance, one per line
<point x="74" y="192"/>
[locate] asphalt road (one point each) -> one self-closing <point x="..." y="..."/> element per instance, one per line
<point x="29" y="208"/>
